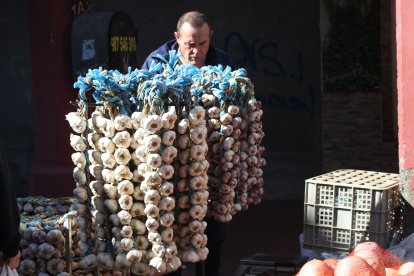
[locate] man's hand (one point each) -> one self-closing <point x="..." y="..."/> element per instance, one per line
<point x="14" y="261"/>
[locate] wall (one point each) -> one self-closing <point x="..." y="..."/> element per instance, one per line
<point x="16" y="125"/>
<point x="278" y="43"/>
<point x="358" y="99"/>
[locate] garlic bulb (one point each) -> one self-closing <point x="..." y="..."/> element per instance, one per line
<point x="152" y="142"/>
<point x="111" y="205"/>
<point x="110" y="190"/>
<point x="152" y="178"/>
<point x="108" y="160"/>
<point x="122" y="156"/>
<point x="173" y="264"/>
<point x="77" y="142"/>
<point x="95" y="157"/>
<point x="152" y="197"/>
<point x="151" y="210"/>
<point x="154" y="160"/>
<point x="124" y="217"/>
<point x="168" y="154"/>
<point x="76" y="122"/>
<point x="159" y="250"/>
<point x="134" y="256"/>
<point x="137" y="209"/>
<point x="78" y="158"/>
<point x="168" y="120"/>
<point x="122" y="122"/>
<point x="125" y="202"/>
<point x="214" y="112"/>
<point x="106" y="145"/>
<point x="96" y="171"/>
<point x="198" y="134"/>
<point x="108" y="176"/>
<point x="183" y="126"/>
<point x="79" y="176"/>
<point x="125" y="187"/>
<point x="153" y="123"/>
<point x="80" y="194"/>
<point x="123" y="172"/>
<point x="167" y="235"/>
<point x="159" y="264"/>
<point x="168" y="137"/>
<point x="166" y="171"/>
<point x="137" y="119"/>
<point x="167" y="219"/>
<point x="122" y="139"/>
<point x="152" y="224"/>
<point x="138" y="194"/>
<point x="142" y="241"/>
<point x="138" y="227"/>
<point x="167" y="203"/>
<point x="166" y="188"/>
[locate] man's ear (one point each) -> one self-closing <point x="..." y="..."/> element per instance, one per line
<point x="211" y="34"/>
<point x="176" y="35"/>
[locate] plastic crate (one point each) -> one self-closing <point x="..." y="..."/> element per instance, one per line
<point x="346" y="207"/>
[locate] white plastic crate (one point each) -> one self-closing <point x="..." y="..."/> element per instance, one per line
<point x="345" y="207"/>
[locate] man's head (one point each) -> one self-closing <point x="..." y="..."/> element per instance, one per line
<point x="193" y="37"/>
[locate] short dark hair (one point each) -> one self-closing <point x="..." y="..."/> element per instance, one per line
<point x="194" y="18"/>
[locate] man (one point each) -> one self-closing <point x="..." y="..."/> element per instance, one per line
<point x="9" y="215"/>
<point x="193" y="42"/>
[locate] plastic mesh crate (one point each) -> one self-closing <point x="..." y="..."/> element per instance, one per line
<point x="345" y="207"/>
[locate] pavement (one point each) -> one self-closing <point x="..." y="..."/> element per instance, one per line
<point x="271" y="227"/>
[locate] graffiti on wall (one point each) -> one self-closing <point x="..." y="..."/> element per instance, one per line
<point x="262" y="57"/>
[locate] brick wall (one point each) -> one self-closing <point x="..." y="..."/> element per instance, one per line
<point x="352" y="135"/>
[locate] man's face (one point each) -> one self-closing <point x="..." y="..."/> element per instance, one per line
<point x="193" y="43"/>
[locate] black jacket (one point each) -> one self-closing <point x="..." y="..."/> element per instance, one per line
<point x="9" y="214"/>
<point x="214" y="56"/>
